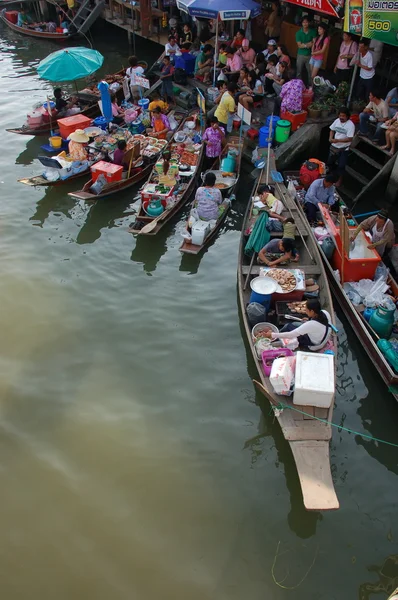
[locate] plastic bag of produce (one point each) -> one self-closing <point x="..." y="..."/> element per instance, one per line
<point x="98" y="186"/>
<point x="256" y="313"/>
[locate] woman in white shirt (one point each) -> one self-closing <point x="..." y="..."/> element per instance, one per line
<point x="133" y="70"/>
<point x="312" y="335"/>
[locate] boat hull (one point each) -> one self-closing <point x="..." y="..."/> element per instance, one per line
<point x="307" y="436"/>
<point x="45" y="35"/>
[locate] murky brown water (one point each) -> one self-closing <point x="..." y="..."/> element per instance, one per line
<point x="134" y="460"/>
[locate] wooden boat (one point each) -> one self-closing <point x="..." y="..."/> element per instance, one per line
<point x="143" y="220"/>
<point x="361" y="327"/>
<point x="308" y="438"/>
<point x="45" y="35"/>
<point x="118" y="186"/>
<point x="91" y="111"/>
<point x="189" y="248"/>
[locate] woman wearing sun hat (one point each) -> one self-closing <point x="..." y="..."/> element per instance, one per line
<point x="77" y="140"/>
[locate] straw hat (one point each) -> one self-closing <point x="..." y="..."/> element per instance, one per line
<point x="79" y="136"/>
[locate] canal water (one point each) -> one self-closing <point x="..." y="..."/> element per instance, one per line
<point x="136" y="460"/>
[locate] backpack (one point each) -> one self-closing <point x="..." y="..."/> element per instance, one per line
<point x="180" y="76"/>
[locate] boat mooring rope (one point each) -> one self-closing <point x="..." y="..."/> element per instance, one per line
<point x="279" y="583"/>
<point x="282" y="406"/>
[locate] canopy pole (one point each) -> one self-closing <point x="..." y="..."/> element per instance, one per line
<point x="354" y="75"/>
<point x="215" y="53"/>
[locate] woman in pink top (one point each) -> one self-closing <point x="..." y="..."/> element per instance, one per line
<point x="319" y="47"/>
<point x="348" y="49"/>
<point x="247" y="54"/>
<point x="282" y="55"/>
<point x="234" y="62"/>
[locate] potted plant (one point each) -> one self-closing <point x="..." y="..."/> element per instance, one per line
<point x="325" y="109"/>
<point x="314" y="111"/>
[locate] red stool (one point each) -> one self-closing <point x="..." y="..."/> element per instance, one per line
<point x="199" y="77"/>
<point x="252" y="133"/>
<point x="257" y="104"/>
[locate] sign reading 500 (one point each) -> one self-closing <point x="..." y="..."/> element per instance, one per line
<point x="379" y="25"/>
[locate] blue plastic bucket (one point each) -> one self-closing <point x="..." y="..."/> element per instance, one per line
<point x="144" y="103"/>
<point x="263" y="136"/>
<point x="52" y="105"/>
<point x="100" y="122"/>
<point x="263" y="299"/>
<point x="274" y="122"/>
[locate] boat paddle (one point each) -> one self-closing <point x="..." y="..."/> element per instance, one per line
<point x="151" y="226"/>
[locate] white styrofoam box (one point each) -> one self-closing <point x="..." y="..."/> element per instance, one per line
<point x="282" y="375"/>
<point x="199" y="231"/>
<point x="314" y="379"/>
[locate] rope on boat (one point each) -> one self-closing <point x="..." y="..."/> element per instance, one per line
<point x="282" y="406"/>
<point x="279" y="583"/>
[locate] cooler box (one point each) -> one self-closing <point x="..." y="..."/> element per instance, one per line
<point x="200" y="229"/>
<point x="12" y="16"/>
<point x="70" y="124"/>
<point x="296" y="119"/>
<point x="314" y="380"/>
<point x="111" y="172"/>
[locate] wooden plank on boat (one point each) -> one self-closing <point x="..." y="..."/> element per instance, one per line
<point x="308" y="269"/>
<point x="82" y="195"/>
<point x="314" y="431"/>
<point x="313" y="466"/>
<point x="38" y="180"/>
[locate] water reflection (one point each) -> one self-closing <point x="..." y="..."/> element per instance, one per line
<point x="105" y="213"/>
<point x="31" y="151"/>
<point x="53" y="201"/>
<point x="148" y="253"/>
<point x="387" y="573"/>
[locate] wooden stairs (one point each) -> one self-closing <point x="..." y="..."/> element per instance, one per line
<point x="367" y="165"/>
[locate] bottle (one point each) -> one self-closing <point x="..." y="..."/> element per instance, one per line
<point x="356" y="16"/>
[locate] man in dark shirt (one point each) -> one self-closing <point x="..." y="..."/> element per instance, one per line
<point x="60" y="103"/>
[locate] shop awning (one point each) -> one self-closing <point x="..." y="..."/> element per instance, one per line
<point x="211" y="9"/>
<point x="333" y="8"/>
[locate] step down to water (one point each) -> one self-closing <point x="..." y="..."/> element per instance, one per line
<point x="367" y="158"/>
<point x="356" y="175"/>
<point x="373" y="144"/>
<point x="347" y="192"/>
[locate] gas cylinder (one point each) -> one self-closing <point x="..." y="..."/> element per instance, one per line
<point x="382" y="321"/>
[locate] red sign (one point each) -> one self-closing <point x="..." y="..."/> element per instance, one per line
<point x="334" y="8"/>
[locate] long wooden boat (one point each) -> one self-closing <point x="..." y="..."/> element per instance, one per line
<point x="186" y="246"/>
<point x="360" y="326"/>
<point x="119" y="186"/>
<point x="308" y="438"/>
<point x="91" y="111"/>
<point x="45" y="35"/>
<point x="182" y="197"/>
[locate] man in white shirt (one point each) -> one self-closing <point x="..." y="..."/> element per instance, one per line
<point x="377" y="111"/>
<point x="364" y="60"/>
<point x="342" y="131"/>
<point x="172" y="49"/>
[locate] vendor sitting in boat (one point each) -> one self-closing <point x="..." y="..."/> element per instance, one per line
<point x="160" y="125"/>
<point x="78" y="140"/>
<point x="158" y="102"/>
<point x="65" y="108"/>
<point x="382" y="232"/>
<point x="269" y="200"/>
<point x="311" y="335"/>
<point x="117" y="112"/>
<point x="24" y="20"/>
<point x="208" y="200"/>
<point x="278" y="252"/>
<point x="321" y="191"/>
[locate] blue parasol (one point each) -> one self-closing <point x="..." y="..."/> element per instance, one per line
<point x="69" y="64"/>
<point x="212" y="9"/>
<point x="106" y="101"/>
